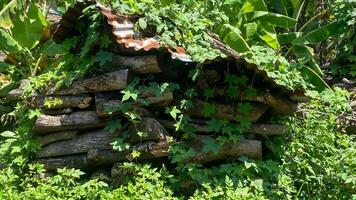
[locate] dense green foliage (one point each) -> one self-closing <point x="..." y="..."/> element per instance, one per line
<point x="315" y="160"/>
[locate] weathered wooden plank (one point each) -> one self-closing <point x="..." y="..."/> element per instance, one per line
<point x="55" y="137"/>
<point x="258" y="129"/>
<point x="152" y="130"/>
<point x="225" y="111"/>
<point x="82" y="143"/>
<point x="106" y="82"/>
<point x="278" y="104"/>
<point x="104" y="105"/>
<point x="75" y="161"/>
<point x="59" y="102"/>
<point x="80" y="120"/>
<point x="139" y="64"/>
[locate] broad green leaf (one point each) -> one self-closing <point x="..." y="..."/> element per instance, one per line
<point x="288" y="38"/>
<point x="310" y="75"/>
<point x="8" y="43"/>
<point x="9" y="8"/>
<point x="320" y="34"/>
<point x="275" y="19"/>
<point x="258" y="5"/>
<point x="306" y="56"/>
<point x="7" y="88"/>
<point x="50" y="48"/>
<point x="211" y="145"/>
<point x="29" y="30"/>
<point x="232" y="36"/>
<point x="251" y="29"/>
<point x="4" y="66"/>
<point x="268" y="34"/>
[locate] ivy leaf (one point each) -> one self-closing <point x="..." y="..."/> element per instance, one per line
<point x="173" y="112"/>
<point x="103" y="57"/>
<point x="208" y="110"/>
<point x="209" y="93"/>
<point x="245" y="108"/>
<point x="120" y="145"/>
<point x="214" y="125"/>
<point x="34" y="113"/>
<point x="211" y="145"/>
<point x="232" y="92"/>
<point x="113" y="125"/>
<point x="129" y="93"/>
<point x="231" y="79"/>
<point x="250" y="92"/>
<point x="105" y="41"/>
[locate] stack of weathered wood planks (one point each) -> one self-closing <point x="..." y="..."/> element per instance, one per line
<point x="72" y="131"/>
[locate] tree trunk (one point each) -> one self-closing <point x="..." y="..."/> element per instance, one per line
<point x="258" y="129"/>
<point x="55" y="137"/>
<point x="82" y="143"/>
<point x="80" y="120"/>
<point x="117" y="80"/>
<point x="59" y="102"/>
<point x="58" y="111"/>
<point x="224" y="111"/>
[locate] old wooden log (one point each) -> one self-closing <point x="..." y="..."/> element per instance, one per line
<point x="59" y="102"/>
<point x="16" y="94"/>
<point x="151" y="129"/>
<point x="75" y="121"/>
<point x="75" y="161"/>
<point x="58" y="111"/>
<point x="106" y="107"/>
<point x="148" y="150"/>
<point x="82" y="143"/>
<point x="258" y="129"/>
<point x="138" y="64"/>
<point x="101" y="175"/>
<point x="278" y="104"/>
<point x="225" y="111"/>
<point x="249" y="148"/>
<point x="55" y="137"/>
<point x="106" y="82"/>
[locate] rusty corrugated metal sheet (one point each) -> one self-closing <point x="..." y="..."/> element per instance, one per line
<point x="123" y="31"/>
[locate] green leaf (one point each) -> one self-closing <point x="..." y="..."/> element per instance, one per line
<point x="103" y="57"/>
<point x="245" y="108"/>
<point x="288" y="38"/>
<point x="321" y="34"/>
<point x="28" y="31"/>
<point x="174" y="111"/>
<point x="311" y="76"/>
<point x="214" y="125"/>
<point x="142" y="23"/>
<point x="7" y="88"/>
<point x="211" y="145"/>
<point x="129" y="93"/>
<point x="113" y="125"/>
<point x="208" y="110"/>
<point x="305" y="56"/>
<point x="8" y="43"/>
<point x="208" y="93"/>
<point x="50" y="48"/>
<point x="10" y="8"/>
<point x="8" y="134"/>
<point x="275" y="19"/>
<point x="251" y="29"/>
<point x="4" y="66"/>
<point x="232" y="37"/>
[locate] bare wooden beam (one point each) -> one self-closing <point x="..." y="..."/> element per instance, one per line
<point x="138" y="64"/>
<point x="152" y="130"/>
<point x="74" y="161"/>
